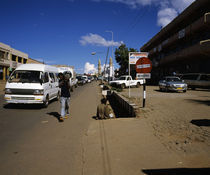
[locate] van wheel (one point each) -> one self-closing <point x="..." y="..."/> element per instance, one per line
<point x="58" y="96"/>
<point x="72" y="89"/>
<point x="46" y="102"/>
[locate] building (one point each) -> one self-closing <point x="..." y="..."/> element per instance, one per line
<point x="33" y="61"/>
<point x="183" y="46"/>
<point x="9" y="59"/>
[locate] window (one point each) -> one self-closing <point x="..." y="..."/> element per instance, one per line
<point x="13" y="58"/>
<point x="190" y="77"/>
<point x="46" y="77"/>
<point x="205" y="78"/>
<point x="25" y="76"/>
<point x="19" y="59"/>
<point x="52" y="76"/>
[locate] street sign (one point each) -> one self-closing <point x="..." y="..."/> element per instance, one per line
<point x="134" y="56"/>
<point x="143" y="76"/>
<point x="143" y="65"/>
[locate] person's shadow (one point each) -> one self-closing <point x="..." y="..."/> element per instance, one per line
<point x="56" y="115"/>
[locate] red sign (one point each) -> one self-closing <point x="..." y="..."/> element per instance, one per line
<point x="143" y="65"/>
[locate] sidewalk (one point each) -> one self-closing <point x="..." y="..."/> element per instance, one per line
<point x="127" y="147"/>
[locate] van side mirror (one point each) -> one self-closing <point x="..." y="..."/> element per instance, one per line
<point x="41" y="81"/>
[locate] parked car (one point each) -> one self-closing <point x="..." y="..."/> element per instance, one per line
<point x="172" y="83"/>
<point x="126" y="81"/>
<point x="81" y="81"/>
<point x="32" y="84"/>
<point x="197" y="80"/>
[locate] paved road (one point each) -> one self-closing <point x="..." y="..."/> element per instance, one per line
<point x="33" y="141"/>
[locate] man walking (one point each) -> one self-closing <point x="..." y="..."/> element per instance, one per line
<point x="64" y="84"/>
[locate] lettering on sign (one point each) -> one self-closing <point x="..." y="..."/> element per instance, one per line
<point x="143" y="66"/>
<point x="143" y="76"/>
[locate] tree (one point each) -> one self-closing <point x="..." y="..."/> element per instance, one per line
<point x="121" y="56"/>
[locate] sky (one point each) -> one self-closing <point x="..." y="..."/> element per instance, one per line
<point x="67" y="32"/>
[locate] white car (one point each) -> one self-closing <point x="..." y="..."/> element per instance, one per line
<point x="126" y="81"/>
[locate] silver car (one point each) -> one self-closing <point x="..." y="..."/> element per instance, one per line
<point x="172" y="83"/>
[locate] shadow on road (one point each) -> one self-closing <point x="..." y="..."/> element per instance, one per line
<point x="22" y="106"/>
<point x="201" y="122"/>
<point x="178" y="171"/>
<point x="55" y="114"/>
<point x="206" y="102"/>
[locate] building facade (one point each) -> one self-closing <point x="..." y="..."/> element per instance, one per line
<point x="183" y="46"/>
<point x="9" y="59"/>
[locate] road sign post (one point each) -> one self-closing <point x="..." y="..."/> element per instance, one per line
<point x="143" y="69"/>
<point x="133" y="57"/>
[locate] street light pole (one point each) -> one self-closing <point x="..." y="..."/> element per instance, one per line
<point x="112" y="41"/>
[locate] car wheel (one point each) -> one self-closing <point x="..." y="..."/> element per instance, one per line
<point x="138" y="85"/>
<point x="184" y="91"/>
<point x="123" y="86"/>
<point x="46" y="102"/>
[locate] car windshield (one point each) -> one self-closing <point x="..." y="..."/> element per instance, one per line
<point x="79" y="78"/>
<point x="25" y="76"/>
<point x="122" y="78"/>
<point x="173" y="79"/>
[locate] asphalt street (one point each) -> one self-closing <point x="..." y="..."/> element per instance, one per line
<point x="33" y="141"/>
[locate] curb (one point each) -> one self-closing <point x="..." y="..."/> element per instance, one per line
<point x="131" y="108"/>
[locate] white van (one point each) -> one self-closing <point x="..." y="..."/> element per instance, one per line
<point x="32" y="84"/>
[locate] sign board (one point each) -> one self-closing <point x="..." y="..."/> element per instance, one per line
<point x="134" y="56"/>
<point x="143" y="65"/>
<point x="143" y="76"/>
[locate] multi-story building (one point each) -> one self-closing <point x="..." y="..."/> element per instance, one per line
<point x="9" y="59"/>
<point x="182" y="46"/>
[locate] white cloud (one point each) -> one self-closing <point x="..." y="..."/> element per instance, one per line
<point x="89" y="68"/>
<point x="131" y="3"/>
<point x="169" y="9"/>
<point x="172" y="7"/>
<point x="165" y="16"/>
<point x="97" y="40"/>
<point x="180" y="5"/>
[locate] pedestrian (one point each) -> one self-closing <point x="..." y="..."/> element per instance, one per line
<point x="64" y="84"/>
<point x="102" y="110"/>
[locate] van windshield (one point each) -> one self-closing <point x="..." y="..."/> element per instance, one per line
<point x="25" y="76"/>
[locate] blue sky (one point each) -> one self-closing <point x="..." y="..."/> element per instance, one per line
<point x="68" y="31"/>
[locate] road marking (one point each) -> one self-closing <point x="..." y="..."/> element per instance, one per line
<point x="45" y="121"/>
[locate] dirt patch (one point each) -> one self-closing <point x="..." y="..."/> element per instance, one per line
<point x="179" y="120"/>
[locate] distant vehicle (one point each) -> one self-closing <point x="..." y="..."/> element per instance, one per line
<point x="85" y="77"/>
<point x="81" y="80"/>
<point x="197" y="80"/>
<point x="126" y="81"/>
<point x="172" y="83"/>
<point x="99" y="78"/>
<point x="32" y="84"/>
<point x="89" y="79"/>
